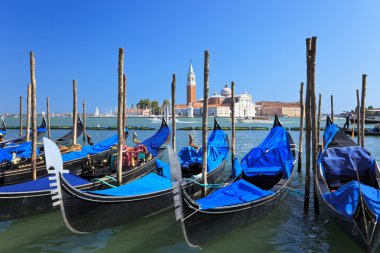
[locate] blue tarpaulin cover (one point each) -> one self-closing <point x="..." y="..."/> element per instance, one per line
<point x="41" y="130"/>
<point x="5" y="156"/>
<point x="217" y="151"/>
<point x="346" y="198"/>
<point x="23" y="150"/>
<point x="41" y="184"/>
<point x="154" y="143"/>
<point x="238" y="192"/>
<point x="344" y="161"/>
<point x="163" y="169"/>
<point x="149" y="183"/>
<point x="91" y="150"/>
<point x="328" y="135"/>
<point x="272" y="156"/>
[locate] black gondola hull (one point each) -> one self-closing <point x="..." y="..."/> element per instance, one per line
<point x="22" y="172"/>
<point x="349" y="227"/>
<point x="23" y="204"/>
<point x="88" y="212"/>
<point x="366" y="132"/>
<point x="200" y="226"/>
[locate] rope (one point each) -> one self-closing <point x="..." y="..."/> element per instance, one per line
<point x="112" y="178"/>
<point x="104" y="182"/>
<point x="206" y="185"/>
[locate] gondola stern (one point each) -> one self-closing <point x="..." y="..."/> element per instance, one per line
<point x="54" y="166"/>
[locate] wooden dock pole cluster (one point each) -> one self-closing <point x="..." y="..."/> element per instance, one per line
<point x="301" y="127"/>
<point x="311" y="124"/>
<point x="34" y="116"/>
<point x="120" y="121"/>
<point x="233" y="130"/>
<point x="20" y="134"/>
<point x="174" y="127"/>
<point x="204" y="118"/>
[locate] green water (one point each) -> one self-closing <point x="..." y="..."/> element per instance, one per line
<point x="286" y="229"/>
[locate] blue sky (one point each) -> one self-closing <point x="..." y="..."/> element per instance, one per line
<point x="258" y="44"/>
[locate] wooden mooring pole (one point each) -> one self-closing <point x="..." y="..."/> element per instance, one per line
<point x="308" y="126"/>
<point x="20" y="122"/>
<point x="204" y="118"/>
<point x="358" y="119"/>
<point x="314" y="122"/>
<point x="362" y="109"/>
<point x="84" y="121"/>
<point x="120" y="130"/>
<point x="332" y="108"/>
<point x="124" y="105"/>
<point x="174" y="127"/>
<point x="233" y="130"/>
<point x="28" y="111"/>
<point x="34" y="116"/>
<point x="48" y="116"/>
<point x="319" y="118"/>
<point x="75" y="112"/>
<point x="301" y="127"/>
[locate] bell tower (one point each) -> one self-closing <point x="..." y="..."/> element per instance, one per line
<point x="191" y="85"/>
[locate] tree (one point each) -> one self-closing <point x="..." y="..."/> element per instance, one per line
<point x="370" y="107"/>
<point x="143" y="103"/>
<point x="155" y="107"/>
<point x="165" y="104"/>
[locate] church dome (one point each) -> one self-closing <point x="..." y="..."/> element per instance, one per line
<point x="225" y="92"/>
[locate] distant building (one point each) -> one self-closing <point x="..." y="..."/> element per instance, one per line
<point x="138" y="112"/>
<point x="219" y="104"/>
<point x="281" y="109"/>
<point x="96" y="113"/>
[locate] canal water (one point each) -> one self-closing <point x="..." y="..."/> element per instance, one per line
<point x="286" y="229"/>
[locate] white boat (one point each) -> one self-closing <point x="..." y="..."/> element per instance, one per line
<point x="154" y="119"/>
<point x="262" y="120"/>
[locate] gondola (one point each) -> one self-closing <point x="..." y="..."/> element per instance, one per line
<point x="41" y="130"/>
<point x="367" y="132"/>
<point x="16" y="171"/>
<point x="34" y="197"/>
<point x="69" y="136"/>
<point x="87" y="211"/>
<point x="256" y="186"/>
<point x="348" y="182"/>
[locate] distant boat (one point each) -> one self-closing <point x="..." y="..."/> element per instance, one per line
<point x="246" y="120"/>
<point x="371" y="117"/>
<point x="154" y="119"/>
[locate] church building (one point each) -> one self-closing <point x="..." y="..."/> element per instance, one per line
<point x="219" y="104"/>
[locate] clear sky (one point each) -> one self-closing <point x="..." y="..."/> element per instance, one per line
<point x="258" y="44"/>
